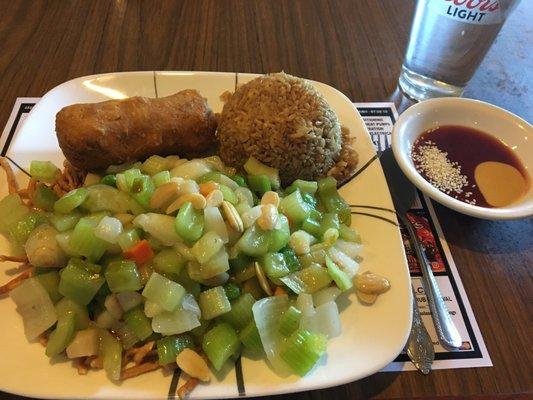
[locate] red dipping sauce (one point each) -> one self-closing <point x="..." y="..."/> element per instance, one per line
<point x="466" y="148"/>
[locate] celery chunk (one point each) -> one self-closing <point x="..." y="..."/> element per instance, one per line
<point x="169" y="261"/>
<point x="290" y="321"/>
<point x="11" y="210"/>
<point x="110" y="350"/>
<point x="291" y="260"/>
<point x="168" y="294"/>
<point x="128" y="238"/>
<point x="142" y="190"/>
<point x="241" y="311"/>
<point x="274" y="265"/>
<point x="21" y="230"/>
<point x="308" y="280"/>
<point x="249" y="336"/>
<point x="170" y="346"/>
<point x="83" y="240"/>
<point x="109" y="180"/>
<point x="228" y="194"/>
<point x="302" y="350"/>
<point x="329" y="221"/>
<point x="312" y="223"/>
<point x="304" y="187"/>
<point x="279" y="237"/>
<point x="189" y="223"/>
<point x="139" y="323"/>
<point x="50" y="282"/>
<point x="71" y="200"/>
<point x="161" y="178"/>
<point x="122" y="276"/>
<point x="342" y="280"/>
<point x="220" y="343"/>
<point x="64" y="222"/>
<point x="259" y="184"/>
<point x="254" y="241"/>
<point x="214" y="302"/>
<point x="68" y="306"/>
<point x="255" y="167"/>
<point x="80" y="281"/>
<point x="207" y="246"/>
<point x="44" y="171"/>
<point x="61" y="336"/>
<point x="44" y="198"/>
<point x="295" y="208"/>
<point x="332" y="201"/>
<point x="349" y="234"/>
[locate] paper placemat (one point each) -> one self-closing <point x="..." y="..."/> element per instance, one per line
<point x="379" y="119"/>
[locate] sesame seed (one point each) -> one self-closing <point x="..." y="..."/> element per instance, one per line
<point x="439" y="170"/>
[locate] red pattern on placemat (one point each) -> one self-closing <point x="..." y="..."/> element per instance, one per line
<point x="420" y="222"/>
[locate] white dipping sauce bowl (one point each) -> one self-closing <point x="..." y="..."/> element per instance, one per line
<point x="511" y="130"/>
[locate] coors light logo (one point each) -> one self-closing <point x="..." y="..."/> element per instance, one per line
<point x="483" y="12"/>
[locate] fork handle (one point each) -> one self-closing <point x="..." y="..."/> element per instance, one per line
<point x="446" y="330"/>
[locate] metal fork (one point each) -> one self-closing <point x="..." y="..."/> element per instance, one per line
<point x="419" y="346"/>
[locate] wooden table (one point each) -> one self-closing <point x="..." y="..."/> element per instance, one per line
<point x="356" y="46"/>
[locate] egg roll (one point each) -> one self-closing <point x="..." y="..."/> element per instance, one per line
<point x="97" y="135"/>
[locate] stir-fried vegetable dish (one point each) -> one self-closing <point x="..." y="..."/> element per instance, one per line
<point x="182" y="263"/>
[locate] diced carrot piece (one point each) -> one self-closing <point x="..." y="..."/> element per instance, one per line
<point x="141" y="252"/>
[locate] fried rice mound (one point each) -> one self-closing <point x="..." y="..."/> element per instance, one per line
<point x="284" y="122"/>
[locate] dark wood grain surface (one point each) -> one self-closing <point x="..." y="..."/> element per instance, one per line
<point x="356" y="46"/>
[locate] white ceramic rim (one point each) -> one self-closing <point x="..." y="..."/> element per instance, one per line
<point x="406" y="164"/>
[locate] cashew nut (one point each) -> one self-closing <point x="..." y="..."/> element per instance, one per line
<point x="301" y="241"/>
<point x="232" y="216"/>
<point x="270" y="197"/>
<point x="262" y="279"/>
<point x="193" y="364"/>
<point x="196" y="199"/>
<point x="367" y="298"/>
<point x="164" y="195"/>
<point x="371" y="283"/>
<point x="249" y="217"/>
<point x="268" y="218"/>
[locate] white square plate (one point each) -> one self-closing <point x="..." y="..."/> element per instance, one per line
<point x="371" y="337"/>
